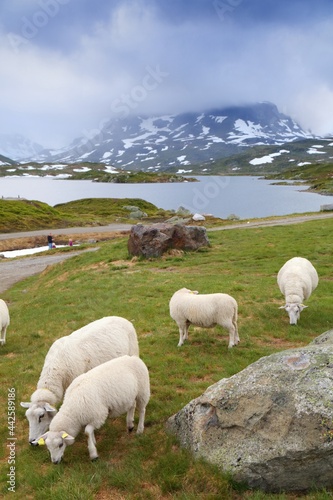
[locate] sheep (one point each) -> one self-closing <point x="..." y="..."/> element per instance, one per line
<point x="108" y="390"/>
<point x="4" y="321"/>
<point x="68" y="357"/>
<point x="296" y="279"/>
<point x="205" y="310"/>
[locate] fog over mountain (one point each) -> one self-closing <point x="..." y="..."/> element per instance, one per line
<point x="143" y="142"/>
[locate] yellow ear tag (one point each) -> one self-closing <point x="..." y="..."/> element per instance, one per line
<point x="64" y="435"/>
<point x="41" y="442"/>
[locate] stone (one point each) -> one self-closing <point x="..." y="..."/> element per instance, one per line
<point x="326" y="208"/>
<point x="155" y="239"/>
<point x="183" y="212"/>
<point x="271" y="425"/>
<point x="137" y="214"/>
<point x="197" y="217"/>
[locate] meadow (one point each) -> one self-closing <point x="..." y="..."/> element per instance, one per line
<point x="241" y="262"/>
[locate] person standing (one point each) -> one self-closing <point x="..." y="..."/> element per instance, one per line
<point x="50" y="241"/>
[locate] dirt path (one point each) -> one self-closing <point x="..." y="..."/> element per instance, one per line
<point x="12" y="271"/>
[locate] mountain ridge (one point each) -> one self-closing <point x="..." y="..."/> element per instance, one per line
<point x="157" y="143"/>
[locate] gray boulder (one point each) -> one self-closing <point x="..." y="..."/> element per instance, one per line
<point x="326" y="208"/>
<point x="155" y="239"/>
<point x="271" y="425"/>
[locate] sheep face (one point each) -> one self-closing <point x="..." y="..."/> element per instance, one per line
<point x="39" y="417"/>
<point x="56" y="442"/>
<point x="294" y="311"/>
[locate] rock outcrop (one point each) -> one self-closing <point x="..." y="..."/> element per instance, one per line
<point x="270" y="425"/>
<point x="155" y="239"/>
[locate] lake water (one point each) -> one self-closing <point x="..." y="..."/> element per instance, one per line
<point x="244" y="196"/>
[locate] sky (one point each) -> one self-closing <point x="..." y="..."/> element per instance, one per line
<point x="69" y="66"/>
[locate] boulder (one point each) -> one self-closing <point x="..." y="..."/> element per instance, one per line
<point x="155" y="239"/>
<point x="197" y="217"/>
<point x="326" y="208"/>
<point x="271" y="425"/>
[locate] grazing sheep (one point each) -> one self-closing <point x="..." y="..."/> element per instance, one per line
<point x="296" y="279"/>
<point x="206" y="310"/>
<point x="68" y="357"/>
<point x="111" y="389"/>
<point x="4" y="321"/>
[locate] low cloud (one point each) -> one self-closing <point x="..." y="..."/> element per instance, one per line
<point x="137" y="59"/>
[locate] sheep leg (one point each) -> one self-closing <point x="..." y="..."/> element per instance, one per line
<point x="181" y="336"/>
<point x="187" y="326"/>
<point x="130" y="419"/>
<point x="142" y="413"/>
<point x="3" y="336"/>
<point x="89" y="431"/>
<point x="183" y="333"/>
<point x="232" y="336"/>
<point x="236" y="336"/>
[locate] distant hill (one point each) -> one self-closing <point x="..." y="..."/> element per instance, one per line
<point x="17" y="147"/>
<point x="6" y="161"/>
<point x="277" y="158"/>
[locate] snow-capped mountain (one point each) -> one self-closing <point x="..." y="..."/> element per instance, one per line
<point x="16" y="147"/>
<point x="159" y="142"/>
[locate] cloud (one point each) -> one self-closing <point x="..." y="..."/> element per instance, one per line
<point x="75" y="72"/>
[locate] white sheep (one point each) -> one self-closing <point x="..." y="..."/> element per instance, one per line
<point x="68" y="357"/>
<point x="4" y="321"/>
<point x="296" y="279"/>
<point x="108" y="390"/>
<point x="206" y="310"/>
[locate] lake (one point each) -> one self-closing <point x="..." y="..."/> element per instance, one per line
<point x="244" y="196"/>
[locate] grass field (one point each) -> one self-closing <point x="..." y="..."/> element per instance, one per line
<point x="241" y="262"/>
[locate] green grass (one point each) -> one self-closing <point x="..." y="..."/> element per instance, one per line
<point x="243" y="263"/>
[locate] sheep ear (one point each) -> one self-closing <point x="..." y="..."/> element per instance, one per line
<point x="50" y="408"/>
<point x="25" y="405"/>
<point x="39" y="441"/>
<point x="282" y="307"/>
<point x="303" y="306"/>
<point x="67" y="438"/>
<point x="195" y="292"/>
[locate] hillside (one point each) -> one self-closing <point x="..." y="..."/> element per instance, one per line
<point x="26" y="215"/>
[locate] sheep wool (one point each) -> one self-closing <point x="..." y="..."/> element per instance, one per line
<point x="104" y="339"/>
<point x="296" y="279"/>
<point x="4" y="321"/>
<point x="205" y="310"/>
<point x="108" y="390"/>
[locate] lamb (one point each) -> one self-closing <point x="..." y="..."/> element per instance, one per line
<point x="72" y="355"/>
<point x="206" y="310"/>
<point x="296" y="279"/>
<point x="4" y="321"/>
<point x="110" y="389"/>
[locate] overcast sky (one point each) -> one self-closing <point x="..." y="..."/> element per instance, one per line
<point x="67" y="66"/>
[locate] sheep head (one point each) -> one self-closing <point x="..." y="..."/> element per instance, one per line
<point x="56" y="442"/>
<point x="294" y="311"/>
<point x="39" y="416"/>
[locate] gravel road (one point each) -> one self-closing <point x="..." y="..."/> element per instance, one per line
<point x="15" y="270"/>
<point x="12" y="271"/>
